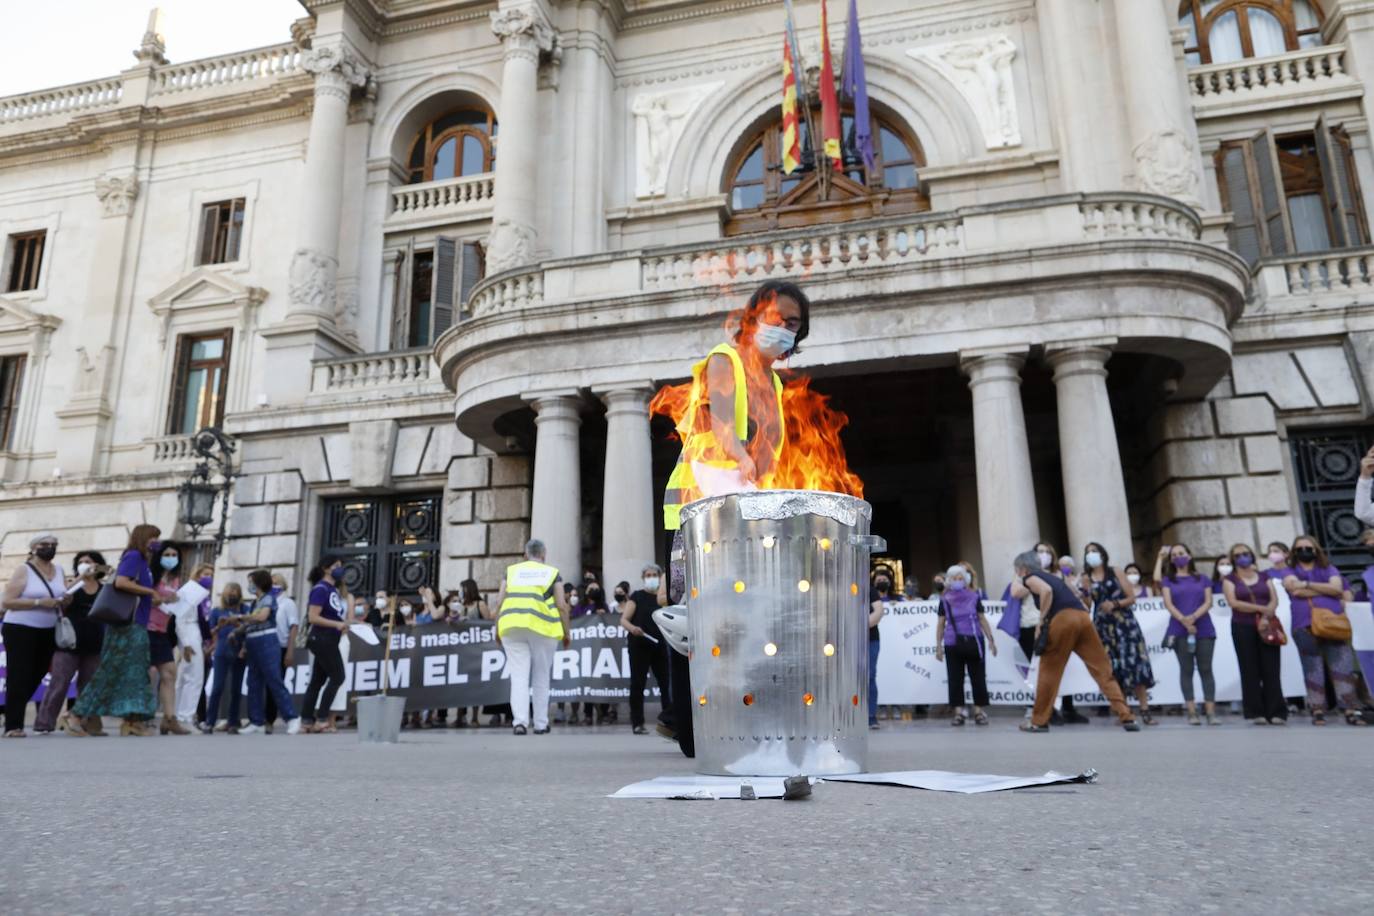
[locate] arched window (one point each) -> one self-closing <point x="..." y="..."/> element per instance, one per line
<point x="763" y="198"/>
<point x="457" y="144"/>
<point x="1220" y="31"/>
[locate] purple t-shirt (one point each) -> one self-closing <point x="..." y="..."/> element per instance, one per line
<point x="1250" y="594"/>
<point x="961" y="614"/>
<point x="326" y="597"/>
<point x="1187" y="593"/>
<point x="1302" y="607"/>
<point x="134" y="565"/>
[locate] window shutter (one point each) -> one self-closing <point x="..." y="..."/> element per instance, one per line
<point x="11" y="384"/>
<point x="1337" y="187"/>
<point x="222" y="395"/>
<point x="178" y="388"/>
<point x="445" y="284"/>
<point x="1273" y="204"/>
<point x="400" y="303"/>
<point x="474" y="268"/>
<point x="209" y="223"/>
<point x="1244" y="234"/>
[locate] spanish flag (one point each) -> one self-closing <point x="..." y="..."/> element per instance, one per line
<point x="830" y="104"/>
<point x="791" y="118"/>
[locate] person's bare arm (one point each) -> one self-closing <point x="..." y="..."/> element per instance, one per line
<point x="720" y="386"/>
<point x="940" y="639"/>
<point x="125" y="584"/>
<point x="875" y="613"/>
<point x="988" y="636"/>
<point x="663" y="589"/>
<point x="15" y="587"/>
<point x="1019" y="591"/>
<point x="1331" y="588"/>
<point x="565" y="613"/>
<point x="1129" y="593"/>
<point x="626" y="616"/>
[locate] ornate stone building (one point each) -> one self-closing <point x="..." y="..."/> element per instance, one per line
<point x="1109" y="276"/>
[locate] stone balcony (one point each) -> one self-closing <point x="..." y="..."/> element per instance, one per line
<point x="1324" y="292"/>
<point x="396" y="373"/>
<point x="436" y="203"/>
<point x="1309" y="76"/>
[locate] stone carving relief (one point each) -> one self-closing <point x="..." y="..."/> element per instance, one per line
<point x="312" y="282"/>
<point x="521" y="30"/>
<point x="334" y="67"/>
<point x="346" y="308"/>
<point x="1165" y="164"/>
<point x="117" y="193"/>
<point x="980" y="68"/>
<point x="510" y="245"/>
<point x="660" y="119"/>
<point x="91" y="373"/>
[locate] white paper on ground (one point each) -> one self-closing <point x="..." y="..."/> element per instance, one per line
<point x="365" y="633"/>
<point x="702" y="787"/>
<point x="193" y="593"/>
<point x="963" y="783"/>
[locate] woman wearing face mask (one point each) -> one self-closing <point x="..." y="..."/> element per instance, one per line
<point x="226" y="659"/>
<point x="80" y="661"/>
<point x="1313" y="583"/>
<point x="34" y="598"/>
<point x="381" y="608"/>
<point x="1142" y="588"/>
<point x="1191" y="633"/>
<point x="1279" y="563"/>
<point x="878" y="600"/>
<point x="161" y="651"/>
<point x="466" y="604"/>
<point x="1023" y="626"/>
<point x="1254" y="599"/>
<point x="732" y="434"/>
<point x="263" y="654"/>
<point x="328" y="619"/>
<point x="962" y="637"/>
<point x="1117" y="627"/>
<point x="121" y="686"/>
<point x="648" y="652"/>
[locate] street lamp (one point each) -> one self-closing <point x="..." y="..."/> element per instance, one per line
<point x="197" y="495"/>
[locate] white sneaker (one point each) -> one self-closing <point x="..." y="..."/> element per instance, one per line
<point x="252" y="730"/>
<point x="294" y="726"/>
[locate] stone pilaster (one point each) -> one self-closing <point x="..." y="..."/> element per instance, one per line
<point x="1007" y="520"/>
<point x="627" y="540"/>
<point x="1094" y="485"/>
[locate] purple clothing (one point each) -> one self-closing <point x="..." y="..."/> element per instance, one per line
<point x="1251" y="594"/>
<point x="1011" y="615"/>
<point x="1275" y="573"/>
<point x="326" y="598"/>
<point x="1368" y="577"/>
<point x="1302" y="607"/>
<point x="134" y="565"/>
<point x="960" y="610"/>
<point x="1187" y="593"/>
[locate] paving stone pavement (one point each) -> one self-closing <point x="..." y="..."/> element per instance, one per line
<point x="1237" y="819"/>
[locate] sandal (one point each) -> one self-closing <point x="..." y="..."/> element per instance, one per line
<point x="1148" y="719"/>
<point x="16" y="733"/>
<point x="1033" y="728"/>
<point x="980" y="718"/>
<point x="1318" y="717"/>
<point x="1193" y="719"/>
<point x="958" y="719"/>
<point x="324" y="730"/>
<point x="1355" y="717"/>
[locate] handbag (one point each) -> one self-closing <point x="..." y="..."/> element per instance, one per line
<point x="1271" y="631"/>
<point x="113" y="605"/>
<point x="1330" y="625"/>
<point x="65" y="633"/>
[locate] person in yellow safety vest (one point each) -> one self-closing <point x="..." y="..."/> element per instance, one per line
<point x="532" y="617"/>
<point x="732" y="435"/>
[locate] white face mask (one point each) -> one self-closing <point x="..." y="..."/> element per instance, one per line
<point x="1133" y="578"/>
<point x="1046" y="559"/>
<point x="405" y="609"/>
<point x="1093" y="559"/>
<point x="1224" y="569"/>
<point x="85" y="569"/>
<point x="455" y="605"/>
<point x="379" y="604"/>
<point x="774" y="341"/>
<point x="651" y="583"/>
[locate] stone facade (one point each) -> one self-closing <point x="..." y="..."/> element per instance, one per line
<point x="1081" y="352"/>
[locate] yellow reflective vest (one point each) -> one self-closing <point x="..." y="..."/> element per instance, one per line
<point x="682" y="486"/>
<point x="529" y="600"/>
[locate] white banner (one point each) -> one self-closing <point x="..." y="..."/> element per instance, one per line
<point x="909" y="674"/>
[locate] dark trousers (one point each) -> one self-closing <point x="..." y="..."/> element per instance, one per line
<point x="228" y="676"/>
<point x="28" y="653"/>
<point x="271" y="700"/>
<point x="1261" y="693"/>
<point x="680" y="673"/>
<point x="963" y="656"/>
<point x="645" y="656"/>
<point x="327" y="674"/>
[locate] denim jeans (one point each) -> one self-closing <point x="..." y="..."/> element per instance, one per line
<point x="873" y="645"/>
<point x="264" y="670"/>
<point x="226" y="674"/>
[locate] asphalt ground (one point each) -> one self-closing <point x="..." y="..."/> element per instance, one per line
<point x="1231" y="819"/>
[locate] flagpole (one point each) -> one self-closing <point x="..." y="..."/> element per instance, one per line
<point x="797" y="61"/>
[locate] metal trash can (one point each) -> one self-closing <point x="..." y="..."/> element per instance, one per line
<point x="379" y="719"/>
<point x="777" y="600"/>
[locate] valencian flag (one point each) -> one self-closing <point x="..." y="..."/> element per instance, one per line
<point x="854" y="85"/>
<point x="791" y="120"/>
<point x="830" y="105"/>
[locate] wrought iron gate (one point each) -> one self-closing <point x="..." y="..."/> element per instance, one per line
<point x="387" y="543"/>
<point x="1327" y="463"/>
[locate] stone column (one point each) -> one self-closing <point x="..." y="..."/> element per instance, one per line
<point x="1007" y="520"/>
<point x="556" y="514"/>
<point x="1094" y="487"/>
<point x="627" y="540"/>
<point x="524" y="35"/>
<point x="315" y="264"/>
<point x="591" y="96"/>
<point x="1162" y="132"/>
<point x="1075" y="60"/>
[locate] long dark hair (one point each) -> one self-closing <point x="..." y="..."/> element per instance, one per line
<point x="142" y="536"/>
<point x="1172" y="572"/>
<point x="766" y="295"/>
<point x="162" y="575"/>
<point x="320" y="570"/>
<point x="1107" y="571"/>
<point x="470" y="593"/>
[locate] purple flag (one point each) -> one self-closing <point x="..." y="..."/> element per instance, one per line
<point x="854" y="85"/>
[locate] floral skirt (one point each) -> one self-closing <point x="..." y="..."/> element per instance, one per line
<point x="1125" y="644"/>
<point x="120" y="686"/>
